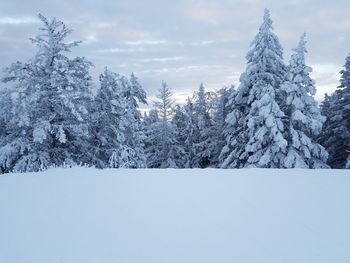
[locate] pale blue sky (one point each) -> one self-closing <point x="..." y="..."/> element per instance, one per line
<point x="183" y="42"/>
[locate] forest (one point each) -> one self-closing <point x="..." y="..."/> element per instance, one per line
<point x="50" y="116"/>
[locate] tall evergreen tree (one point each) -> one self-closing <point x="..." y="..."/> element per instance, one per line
<point x="303" y="120"/>
<point x="326" y="136"/>
<point x="109" y="122"/>
<point x="203" y="140"/>
<point x="217" y="135"/>
<point x="180" y="123"/>
<point x="134" y="135"/>
<point x="338" y="124"/>
<point x="150" y="125"/>
<point x="164" y="151"/>
<point x="233" y="134"/>
<point x="117" y="134"/>
<point x="48" y="124"/>
<point x="257" y="138"/>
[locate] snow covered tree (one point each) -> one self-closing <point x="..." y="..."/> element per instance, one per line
<point x="217" y="142"/>
<point x="326" y="136"/>
<point x="303" y="120"/>
<point x="163" y="150"/>
<point x="108" y="126"/>
<point x="180" y="123"/>
<point x="150" y="128"/>
<point x="202" y="153"/>
<point x="336" y="137"/>
<point x="191" y="133"/>
<point x="48" y="124"/>
<point x="256" y="138"/>
<point x="186" y="131"/>
<point x="118" y="139"/>
<point x="134" y="135"/>
<point x="326" y="108"/>
<point x="233" y="133"/>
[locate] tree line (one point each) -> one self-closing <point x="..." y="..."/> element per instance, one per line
<point x="51" y="118"/>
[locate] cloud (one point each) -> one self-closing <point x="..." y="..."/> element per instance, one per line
<point x="119" y="50"/>
<point x="18" y="20"/>
<point x="146" y="42"/>
<point x="165" y="59"/>
<point x="204" y="14"/>
<point x="132" y="34"/>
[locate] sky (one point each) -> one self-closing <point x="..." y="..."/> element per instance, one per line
<point x="184" y="42"/>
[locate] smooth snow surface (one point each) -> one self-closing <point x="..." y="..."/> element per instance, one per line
<point x="83" y="215"/>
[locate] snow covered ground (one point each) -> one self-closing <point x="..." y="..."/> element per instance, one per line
<point x="83" y="215"/>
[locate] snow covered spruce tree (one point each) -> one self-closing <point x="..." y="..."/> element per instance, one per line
<point x="47" y="126"/>
<point x="134" y="94"/>
<point x="117" y="132"/>
<point x="256" y="139"/>
<point x="217" y="141"/>
<point x="150" y="126"/>
<point x="303" y="120"/>
<point x="233" y="134"/>
<point x="185" y="123"/>
<point x="336" y="132"/>
<point x="180" y="123"/>
<point x="163" y="150"/>
<point x="327" y="138"/>
<point x="202" y="152"/>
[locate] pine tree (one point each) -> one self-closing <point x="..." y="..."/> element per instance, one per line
<point x="326" y="136"/>
<point x="180" y="124"/>
<point x="203" y="140"/>
<point x="134" y="135"/>
<point x="336" y="137"/>
<point x="303" y="119"/>
<point x="109" y="123"/>
<point x="218" y="124"/>
<point x="116" y="128"/>
<point x="256" y="138"/>
<point x="150" y="128"/>
<point x="190" y="133"/>
<point x="48" y="124"/>
<point x="163" y="150"/>
<point x="233" y="133"/>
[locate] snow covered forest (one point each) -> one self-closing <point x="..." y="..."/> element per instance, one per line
<point x="52" y="117"/>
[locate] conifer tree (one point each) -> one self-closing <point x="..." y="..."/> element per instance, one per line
<point x="48" y="125"/>
<point x="336" y="137"/>
<point x="180" y="123"/>
<point x="134" y="135"/>
<point x="150" y="128"/>
<point x="203" y="140"/>
<point x="117" y="134"/>
<point x="217" y="142"/>
<point x="256" y="138"/>
<point x="164" y="151"/>
<point x="109" y="122"/>
<point x="303" y="120"/>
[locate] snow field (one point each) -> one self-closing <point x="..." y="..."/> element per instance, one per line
<point x="83" y="215"/>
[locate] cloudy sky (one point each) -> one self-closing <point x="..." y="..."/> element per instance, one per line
<point x="184" y="42"/>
